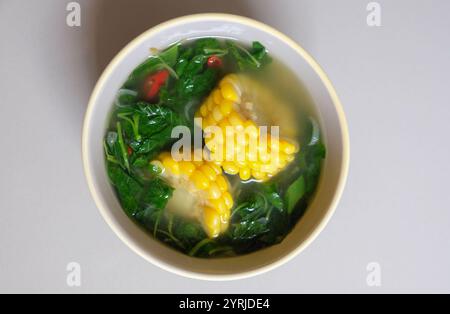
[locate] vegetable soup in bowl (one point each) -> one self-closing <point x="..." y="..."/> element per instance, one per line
<point x="215" y="147"/>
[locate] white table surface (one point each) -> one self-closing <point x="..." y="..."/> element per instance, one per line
<point x="394" y="84"/>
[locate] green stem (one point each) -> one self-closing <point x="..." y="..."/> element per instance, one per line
<point x="109" y="157"/>
<point x="122" y="146"/>
<point x="257" y="63"/>
<point x="155" y="227"/>
<point x="199" y="245"/>
<point x="134" y="124"/>
<point x="167" y="67"/>
<point x="178" y="242"/>
<point x="217" y="52"/>
<point x="221" y="249"/>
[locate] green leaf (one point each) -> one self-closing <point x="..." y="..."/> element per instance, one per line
<point x="273" y="197"/>
<point x="254" y="217"/>
<point x="167" y="58"/>
<point x="147" y="127"/>
<point x="248" y="59"/>
<point x="206" y="43"/>
<point x="140" y="162"/>
<point x="123" y="149"/>
<point x="295" y="192"/>
<point x="157" y="194"/>
<point x="114" y="150"/>
<point x="128" y="189"/>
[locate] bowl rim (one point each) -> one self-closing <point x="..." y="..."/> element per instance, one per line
<point x="128" y="241"/>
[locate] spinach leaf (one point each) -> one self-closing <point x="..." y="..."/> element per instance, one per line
<point x="195" y="80"/>
<point x="165" y="60"/>
<point x="196" y="86"/>
<point x="253" y="217"/>
<point x="295" y="192"/>
<point x="126" y="97"/>
<point x="183" y="60"/>
<point x="251" y="59"/>
<point x="206" y="43"/>
<point x="308" y="171"/>
<point x="147" y="128"/>
<point x="157" y="194"/>
<point x="115" y="148"/>
<point x="128" y="189"/>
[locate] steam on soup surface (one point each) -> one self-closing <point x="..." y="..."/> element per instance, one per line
<point x="248" y="183"/>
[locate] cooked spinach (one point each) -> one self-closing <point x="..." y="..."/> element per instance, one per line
<point x="140" y="129"/>
<point x="128" y="189"/>
<point x="164" y="60"/>
<point x="252" y="59"/>
<point x="256" y="219"/>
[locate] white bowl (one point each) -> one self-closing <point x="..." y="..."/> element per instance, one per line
<point x="329" y="110"/>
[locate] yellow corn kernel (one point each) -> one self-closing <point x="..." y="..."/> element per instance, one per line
<point x="232" y="79"/>
<point x="210" y="103"/>
<point x="217" y="96"/>
<point x="204" y="110"/>
<point x="225" y="217"/>
<point x="226" y="106"/>
<point x="219" y="205"/>
<point x="258" y="175"/>
<point x="251" y="155"/>
<point x="230" y="168"/>
<point x="187" y="168"/>
<point x="217" y="169"/>
<point x="208" y="172"/>
<point x="222" y="183"/>
<point x="290" y="158"/>
<point x="264" y="157"/>
<point x="217" y="114"/>
<point x="228" y="200"/>
<point x="281" y="161"/>
<point x="273" y="144"/>
<point x="197" y="164"/>
<point x="251" y="129"/>
<point x="245" y="174"/>
<point x="268" y="168"/>
<point x="229" y="92"/>
<point x="171" y="165"/>
<point x="200" y="181"/>
<point x="209" y="121"/>
<point x="256" y="166"/>
<point x="198" y="157"/>
<point x="230" y="152"/>
<point x="224" y="223"/>
<point x="235" y="119"/>
<point x="223" y="125"/>
<point x="240" y="163"/>
<point x="214" y="191"/>
<point x="288" y="148"/>
<point x="211" y="144"/>
<point x="211" y="221"/>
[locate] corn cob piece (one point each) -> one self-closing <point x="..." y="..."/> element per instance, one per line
<point x="201" y="190"/>
<point x="253" y="154"/>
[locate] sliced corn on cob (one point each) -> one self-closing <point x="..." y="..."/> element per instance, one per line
<point x="252" y="154"/>
<point x="201" y="192"/>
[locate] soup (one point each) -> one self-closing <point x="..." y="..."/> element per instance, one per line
<point x="213" y="147"/>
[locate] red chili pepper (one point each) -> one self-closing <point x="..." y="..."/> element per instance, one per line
<point x="214" y="62"/>
<point x="153" y="84"/>
<point x="129" y="151"/>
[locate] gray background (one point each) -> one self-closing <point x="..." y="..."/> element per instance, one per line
<point x="393" y="82"/>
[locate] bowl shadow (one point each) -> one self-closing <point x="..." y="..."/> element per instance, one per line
<point x="120" y="21"/>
